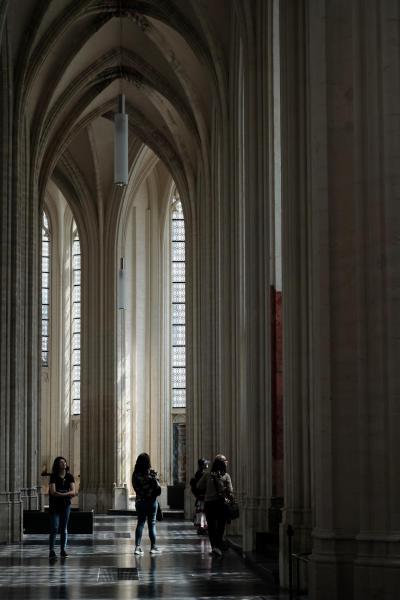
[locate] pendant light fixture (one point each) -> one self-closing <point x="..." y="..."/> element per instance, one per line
<point x="121" y="130"/>
<point x="121" y="285"/>
<point x="121" y="144"/>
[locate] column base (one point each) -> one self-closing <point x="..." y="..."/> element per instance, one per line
<point x="11" y="512"/>
<point x="301" y="544"/>
<point x="331" y="567"/>
<point x="98" y="499"/>
<point x="30" y="498"/>
<point x="254" y="520"/>
<point x="377" y="566"/>
<point x="363" y="567"/>
<point x="121" y="498"/>
<point x="189" y="503"/>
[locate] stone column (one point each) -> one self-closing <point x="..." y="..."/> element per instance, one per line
<point x="354" y="191"/>
<point x="3" y="16"/>
<point x="10" y="446"/>
<point x="334" y="299"/>
<point x="33" y="360"/>
<point x="377" y="99"/>
<point x="255" y="187"/>
<point x="19" y="313"/>
<point x="295" y="241"/>
<point x="98" y="370"/>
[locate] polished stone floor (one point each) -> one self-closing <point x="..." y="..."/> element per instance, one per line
<point x="102" y="566"/>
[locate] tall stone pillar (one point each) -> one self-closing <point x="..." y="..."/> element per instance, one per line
<point x="99" y="459"/>
<point x="376" y="569"/>
<point x="254" y="227"/>
<point x="10" y="415"/>
<point x="295" y="240"/>
<point x="19" y="300"/>
<point x="353" y="58"/>
<point x="32" y="293"/>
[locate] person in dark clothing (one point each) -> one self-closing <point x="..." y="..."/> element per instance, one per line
<point x="216" y="486"/>
<point x="147" y="488"/>
<point x="199" y="518"/>
<point x="61" y="490"/>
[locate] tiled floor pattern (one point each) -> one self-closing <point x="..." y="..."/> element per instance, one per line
<point x="103" y="566"/>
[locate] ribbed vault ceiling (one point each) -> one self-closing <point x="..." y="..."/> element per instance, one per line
<point x="73" y="58"/>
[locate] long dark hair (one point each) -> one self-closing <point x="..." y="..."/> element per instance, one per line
<point x="202" y="463"/>
<point x="56" y="465"/>
<point x="143" y="464"/>
<point x="219" y="464"/>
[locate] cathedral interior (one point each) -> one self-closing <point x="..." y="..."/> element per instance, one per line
<point x="200" y="253"/>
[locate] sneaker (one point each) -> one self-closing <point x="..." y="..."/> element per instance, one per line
<point x="217" y="551"/>
<point x="138" y="550"/>
<point x="52" y="555"/>
<point x="63" y="554"/>
<point x="155" y="550"/>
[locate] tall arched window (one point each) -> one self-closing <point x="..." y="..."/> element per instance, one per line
<point x="178" y="340"/>
<point x="178" y="327"/>
<point x="75" y="322"/>
<point x="45" y="289"/>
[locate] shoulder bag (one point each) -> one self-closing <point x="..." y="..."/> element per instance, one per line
<point x="231" y="507"/>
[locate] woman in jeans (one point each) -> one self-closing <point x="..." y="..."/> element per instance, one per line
<point x="61" y="490"/>
<point x="147" y="488"/>
<point x="216" y="486"/>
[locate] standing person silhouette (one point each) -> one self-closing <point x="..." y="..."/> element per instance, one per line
<point x="61" y="490"/>
<point x="147" y="488"/>
<point x="199" y="518"/>
<point x="216" y="486"/>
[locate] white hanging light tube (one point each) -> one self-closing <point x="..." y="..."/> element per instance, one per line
<point x="121" y="144"/>
<point x="121" y="285"/>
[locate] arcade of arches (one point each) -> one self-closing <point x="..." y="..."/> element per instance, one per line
<point x="240" y="294"/>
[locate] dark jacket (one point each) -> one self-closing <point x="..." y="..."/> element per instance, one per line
<point x="146" y="485"/>
<point x="194" y="481"/>
<point x="215" y="486"/>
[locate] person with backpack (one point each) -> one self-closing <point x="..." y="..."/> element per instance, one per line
<point x="61" y="490"/>
<point x="147" y="488"/>
<point x="199" y="518"/>
<point x="216" y="485"/>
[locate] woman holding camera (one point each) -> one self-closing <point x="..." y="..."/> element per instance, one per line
<point x="147" y="488"/>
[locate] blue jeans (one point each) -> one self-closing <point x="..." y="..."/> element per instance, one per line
<point x="59" y="522"/>
<point x="146" y="509"/>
